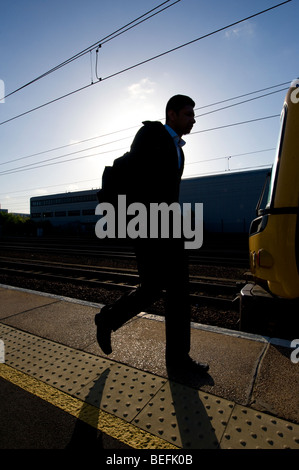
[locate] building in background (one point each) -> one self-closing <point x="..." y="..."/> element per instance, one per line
<point x="229" y="202"/>
<point x="229" y="199"/>
<point x="73" y="211"/>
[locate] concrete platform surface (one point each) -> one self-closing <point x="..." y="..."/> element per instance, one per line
<point x="247" y="400"/>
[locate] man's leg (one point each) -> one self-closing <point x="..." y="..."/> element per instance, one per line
<point x="177" y="305"/>
<point x="127" y="306"/>
<point x="178" y="314"/>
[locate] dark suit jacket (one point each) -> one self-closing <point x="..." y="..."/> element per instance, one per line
<point x="155" y="161"/>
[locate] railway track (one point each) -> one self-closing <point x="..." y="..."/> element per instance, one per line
<point x="203" y="290"/>
<point x="212" y="255"/>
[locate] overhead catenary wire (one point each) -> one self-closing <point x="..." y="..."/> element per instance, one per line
<point x="50" y="186"/>
<point x="144" y="62"/>
<point x="246" y="168"/>
<point x="97" y="180"/>
<point x="245" y="94"/>
<point x="210" y="173"/>
<point x="195" y="40"/>
<point x="231" y="156"/>
<point x="240" y="102"/>
<point x="65" y="146"/>
<point x="68" y="154"/>
<point x="235" y="124"/>
<point x="33" y="166"/>
<point x="17" y="170"/>
<point x="137" y="126"/>
<point x="104" y="40"/>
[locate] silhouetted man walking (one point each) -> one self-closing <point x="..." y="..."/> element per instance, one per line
<point x="158" y="162"/>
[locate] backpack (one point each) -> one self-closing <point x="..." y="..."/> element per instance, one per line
<point x="117" y="179"/>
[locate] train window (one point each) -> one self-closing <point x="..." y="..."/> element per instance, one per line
<point x="275" y="167"/>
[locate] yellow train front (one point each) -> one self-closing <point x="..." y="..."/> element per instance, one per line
<point x="274" y="234"/>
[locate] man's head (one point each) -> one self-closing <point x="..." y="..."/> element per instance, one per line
<point x="180" y="114"/>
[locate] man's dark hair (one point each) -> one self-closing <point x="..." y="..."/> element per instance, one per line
<point x="178" y="102"/>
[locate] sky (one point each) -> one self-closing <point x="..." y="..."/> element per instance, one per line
<point x="65" y="143"/>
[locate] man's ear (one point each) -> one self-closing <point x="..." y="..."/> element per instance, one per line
<point x="171" y="115"/>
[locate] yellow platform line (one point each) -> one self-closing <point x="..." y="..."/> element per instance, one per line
<point x="95" y="417"/>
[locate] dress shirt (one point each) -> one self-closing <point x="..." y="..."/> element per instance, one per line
<point x="179" y="143"/>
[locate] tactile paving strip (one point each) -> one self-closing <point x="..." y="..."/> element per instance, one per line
<point x="15" y="339"/>
<point x="250" y="429"/>
<point x="4" y="329"/>
<point x="186" y="417"/>
<point x="122" y="391"/>
<point x="115" y="388"/>
<point x="74" y="370"/>
<point x="58" y="365"/>
<point x="178" y="414"/>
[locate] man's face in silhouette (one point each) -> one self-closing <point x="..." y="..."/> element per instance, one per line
<point x="183" y="121"/>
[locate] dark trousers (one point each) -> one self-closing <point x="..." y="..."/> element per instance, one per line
<point x="162" y="266"/>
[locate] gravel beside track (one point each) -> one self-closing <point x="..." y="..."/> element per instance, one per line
<point x="200" y="314"/>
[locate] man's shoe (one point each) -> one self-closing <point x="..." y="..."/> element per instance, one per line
<point x="103" y="331"/>
<point x="186" y="364"/>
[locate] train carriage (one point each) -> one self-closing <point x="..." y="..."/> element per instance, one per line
<point x="274" y="234"/>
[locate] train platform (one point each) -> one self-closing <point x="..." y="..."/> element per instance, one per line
<point x="247" y="400"/>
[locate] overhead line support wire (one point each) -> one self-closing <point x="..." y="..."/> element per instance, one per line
<point x="236" y="124"/>
<point x="133" y="127"/>
<point x="142" y="21"/>
<point x="25" y="167"/>
<point x="9" y="172"/>
<point x="209" y="160"/>
<point x="195" y="40"/>
<point x="240" y="102"/>
<point x="111" y="133"/>
<point x="93" y="46"/>
<point x="69" y="145"/>
<point x="65" y="155"/>
<point x="146" y="61"/>
<point x="96" y="67"/>
<point x="243" y="95"/>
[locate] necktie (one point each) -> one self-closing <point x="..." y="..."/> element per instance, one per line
<point x="179" y="144"/>
<point x="180" y="156"/>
